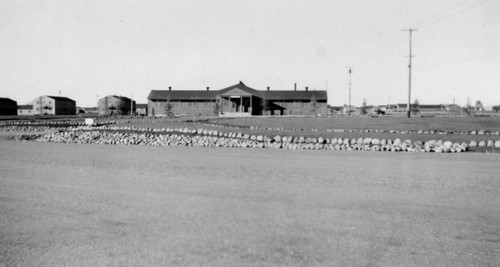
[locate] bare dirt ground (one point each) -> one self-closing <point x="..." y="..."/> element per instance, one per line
<point x="86" y="205"/>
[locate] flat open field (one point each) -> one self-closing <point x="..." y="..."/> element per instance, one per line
<point x="383" y="122"/>
<point x="64" y="204"/>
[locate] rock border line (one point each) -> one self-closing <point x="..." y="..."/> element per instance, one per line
<point x="115" y="135"/>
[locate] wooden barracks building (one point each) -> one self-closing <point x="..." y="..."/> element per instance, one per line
<point x="238" y="100"/>
<point x="8" y="106"/>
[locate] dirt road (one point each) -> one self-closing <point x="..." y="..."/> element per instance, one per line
<point x="63" y="204"/>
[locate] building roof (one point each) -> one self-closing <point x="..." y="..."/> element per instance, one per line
<point x="141" y="106"/>
<point x="60" y="98"/>
<point x="8" y="99"/>
<point x="239" y="87"/>
<point x="25" y="107"/>
<point x="243" y="87"/>
<point x="431" y="106"/>
<point x="116" y="96"/>
<point x="183" y="95"/>
<point x="294" y="95"/>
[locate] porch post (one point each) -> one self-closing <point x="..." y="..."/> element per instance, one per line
<point x="241" y="104"/>
<point x="251" y="107"/>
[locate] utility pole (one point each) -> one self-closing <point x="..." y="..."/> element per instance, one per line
<point x="349" y="107"/>
<point x="410" y="30"/>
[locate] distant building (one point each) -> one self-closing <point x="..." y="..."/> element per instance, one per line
<point x="237" y="99"/>
<point x="335" y="109"/>
<point x="352" y="109"/>
<point x="53" y="105"/>
<point x="453" y="108"/>
<point x="8" y="106"/>
<point x="86" y="110"/>
<point x="141" y="109"/>
<point x="25" y="110"/>
<point x="116" y="105"/>
<point x="429" y="108"/>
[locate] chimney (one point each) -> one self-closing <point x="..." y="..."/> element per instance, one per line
<point x="295" y="86"/>
<point x="208" y="88"/>
<point x="170" y="88"/>
<point x="307" y="88"/>
<point x="242" y="83"/>
<point x="268" y="88"/>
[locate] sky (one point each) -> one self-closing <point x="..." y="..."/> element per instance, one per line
<point x="88" y="49"/>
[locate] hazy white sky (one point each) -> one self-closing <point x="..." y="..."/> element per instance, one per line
<point x="91" y="48"/>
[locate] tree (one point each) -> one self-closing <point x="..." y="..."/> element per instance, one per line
<point x="364" y="107"/>
<point x="468" y="108"/>
<point x="415" y="108"/>
<point x="217" y="108"/>
<point x="169" y="109"/>
<point x="479" y="106"/>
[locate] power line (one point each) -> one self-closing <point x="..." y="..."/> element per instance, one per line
<point x="459" y="61"/>
<point x="445" y="16"/>
<point x="381" y="81"/>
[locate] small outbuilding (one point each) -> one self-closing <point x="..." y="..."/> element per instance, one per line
<point x="25" y="110"/>
<point x="141" y="109"/>
<point x="116" y="105"/>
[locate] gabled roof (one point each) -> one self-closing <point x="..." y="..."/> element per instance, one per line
<point x="243" y="87"/>
<point x="294" y="95"/>
<point x="118" y="96"/>
<point x="183" y="95"/>
<point x="60" y="98"/>
<point x="6" y="99"/>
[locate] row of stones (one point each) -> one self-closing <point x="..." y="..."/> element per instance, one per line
<point x="209" y="122"/>
<point x="66" y="123"/>
<point x="299" y="139"/>
<point x="441" y="132"/>
<point x="218" y="139"/>
<point x="28" y="128"/>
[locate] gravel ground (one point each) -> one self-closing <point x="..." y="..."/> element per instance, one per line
<point x="86" y="205"/>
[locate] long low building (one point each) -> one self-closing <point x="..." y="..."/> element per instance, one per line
<point x="238" y="99"/>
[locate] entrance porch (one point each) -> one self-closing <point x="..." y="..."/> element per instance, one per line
<point x="242" y="104"/>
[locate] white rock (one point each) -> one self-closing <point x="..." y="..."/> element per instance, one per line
<point x="447" y="144"/>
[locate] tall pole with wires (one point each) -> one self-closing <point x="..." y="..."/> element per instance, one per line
<point x="410" y="30"/>
<point x="349" y="107"/>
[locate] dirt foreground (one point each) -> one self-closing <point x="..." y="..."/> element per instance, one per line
<point x="87" y="205"/>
